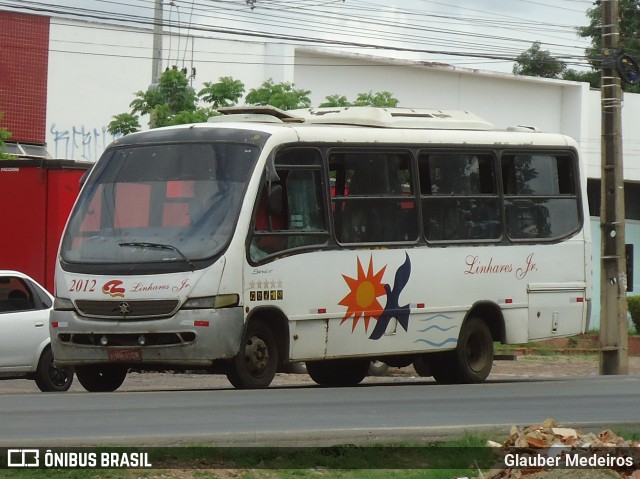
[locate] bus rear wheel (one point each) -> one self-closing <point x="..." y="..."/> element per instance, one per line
<point x="422" y="366"/>
<point x="471" y="361"/>
<point x="256" y="364"/>
<point x="101" y="378"/>
<point x="338" y="372"/>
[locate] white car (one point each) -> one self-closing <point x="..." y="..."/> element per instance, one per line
<point x="25" y="350"/>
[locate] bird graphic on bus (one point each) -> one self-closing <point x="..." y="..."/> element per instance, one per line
<point x="362" y="300"/>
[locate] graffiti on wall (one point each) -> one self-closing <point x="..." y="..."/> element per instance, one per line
<point x="80" y="142"/>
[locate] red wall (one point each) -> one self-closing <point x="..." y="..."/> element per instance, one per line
<point x="63" y="188"/>
<point x="24" y="56"/>
<point x="24" y="218"/>
<point x="38" y="196"/>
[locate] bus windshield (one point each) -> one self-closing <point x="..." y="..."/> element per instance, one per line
<point x="170" y="203"/>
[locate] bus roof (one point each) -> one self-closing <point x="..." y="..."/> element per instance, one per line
<point x="409" y="118"/>
<point x="356" y="124"/>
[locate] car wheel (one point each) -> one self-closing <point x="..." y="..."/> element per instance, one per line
<point x="52" y="378"/>
<point x="101" y="378"/>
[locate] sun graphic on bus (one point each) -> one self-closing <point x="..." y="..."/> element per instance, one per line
<point x="362" y="300"/>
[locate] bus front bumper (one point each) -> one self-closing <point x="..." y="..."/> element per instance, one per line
<point x="190" y="338"/>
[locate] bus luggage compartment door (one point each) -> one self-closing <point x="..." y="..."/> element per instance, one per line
<point x="556" y="309"/>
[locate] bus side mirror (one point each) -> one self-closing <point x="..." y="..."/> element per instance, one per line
<point x="274" y="199"/>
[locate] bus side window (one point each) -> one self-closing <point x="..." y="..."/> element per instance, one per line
<point x="304" y="200"/>
<point x="540" y="196"/>
<point x="302" y="221"/>
<point x="459" y="197"/>
<point x="265" y="241"/>
<point x="373" y="200"/>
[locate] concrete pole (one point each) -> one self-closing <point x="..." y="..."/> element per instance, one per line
<point x="156" y="60"/>
<point x="613" y="278"/>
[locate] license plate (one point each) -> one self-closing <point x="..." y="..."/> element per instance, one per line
<point x="123" y="355"/>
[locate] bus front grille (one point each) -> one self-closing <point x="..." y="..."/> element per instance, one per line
<point x="119" y="310"/>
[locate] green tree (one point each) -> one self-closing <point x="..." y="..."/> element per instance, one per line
<point x="123" y="124"/>
<point x="173" y="102"/>
<point x="379" y="99"/>
<point x="629" y="39"/>
<point x="587" y="76"/>
<point x="629" y="25"/>
<point x="4" y="135"/>
<point x="162" y="101"/>
<point x="226" y="92"/>
<point x="335" y="101"/>
<point x="200" y="115"/>
<point x="538" y="63"/>
<point x="281" y="95"/>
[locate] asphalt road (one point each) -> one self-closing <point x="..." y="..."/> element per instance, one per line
<point x="279" y="415"/>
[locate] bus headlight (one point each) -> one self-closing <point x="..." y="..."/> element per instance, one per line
<point x="62" y="304"/>
<point x="212" y="302"/>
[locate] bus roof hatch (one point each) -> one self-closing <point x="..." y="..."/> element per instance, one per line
<point x="395" y="118"/>
<point x="359" y="116"/>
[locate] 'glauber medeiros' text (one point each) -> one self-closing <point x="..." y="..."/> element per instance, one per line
<point x="567" y="460"/>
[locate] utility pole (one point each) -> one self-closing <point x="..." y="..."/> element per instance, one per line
<point x="156" y="60"/>
<point x="613" y="279"/>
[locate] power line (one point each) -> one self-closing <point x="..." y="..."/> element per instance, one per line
<point x="377" y="31"/>
<point x="492" y="46"/>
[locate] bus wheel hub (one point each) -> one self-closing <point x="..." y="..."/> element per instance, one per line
<point x="257" y="353"/>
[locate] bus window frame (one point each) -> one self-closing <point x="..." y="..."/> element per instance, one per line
<point x="413" y="153"/>
<point x="271" y="174"/>
<point x="480" y="151"/>
<point x="577" y="196"/>
<point x="401" y="152"/>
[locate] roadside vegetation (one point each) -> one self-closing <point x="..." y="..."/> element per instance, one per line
<point x="633" y="305"/>
<point x="172" y="101"/>
<point x="432" y="460"/>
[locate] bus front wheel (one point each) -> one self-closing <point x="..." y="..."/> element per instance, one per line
<point x="338" y="372"/>
<point x="100" y="378"/>
<point x="257" y="361"/>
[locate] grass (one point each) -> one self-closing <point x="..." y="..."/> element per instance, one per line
<point x="435" y="460"/>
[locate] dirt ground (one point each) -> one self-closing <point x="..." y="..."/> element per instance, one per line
<point x="523" y="367"/>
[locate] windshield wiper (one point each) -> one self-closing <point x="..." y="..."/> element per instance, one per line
<point x="143" y="244"/>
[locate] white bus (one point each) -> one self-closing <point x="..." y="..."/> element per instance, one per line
<point x="334" y="237"/>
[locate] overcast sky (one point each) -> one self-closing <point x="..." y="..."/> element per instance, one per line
<point x="485" y="34"/>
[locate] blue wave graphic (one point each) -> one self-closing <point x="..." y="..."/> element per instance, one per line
<point x="431" y="318"/>
<point x="437" y="345"/>
<point x="435" y="326"/>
